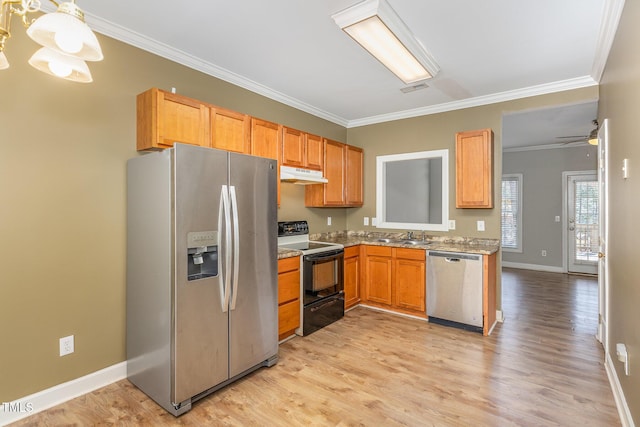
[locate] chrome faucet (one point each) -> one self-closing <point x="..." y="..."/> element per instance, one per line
<point x="409" y="235"/>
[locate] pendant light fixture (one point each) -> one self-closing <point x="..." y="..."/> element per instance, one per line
<point x="66" y="39"/>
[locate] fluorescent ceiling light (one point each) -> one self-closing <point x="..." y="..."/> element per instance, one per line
<point x="378" y="29"/>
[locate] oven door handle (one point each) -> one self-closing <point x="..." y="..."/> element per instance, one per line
<point x="326" y="304"/>
<point x="323" y="256"/>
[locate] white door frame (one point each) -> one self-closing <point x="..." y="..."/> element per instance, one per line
<point x="565" y="214"/>
<point x="603" y="261"/>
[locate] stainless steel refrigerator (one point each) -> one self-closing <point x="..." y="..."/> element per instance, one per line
<point x="201" y="271"/>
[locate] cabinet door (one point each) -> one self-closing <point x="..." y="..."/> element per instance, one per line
<point x="315" y="152"/>
<point x="265" y="142"/>
<point x="353" y="176"/>
<point x="293" y="152"/>
<point x="230" y="130"/>
<point x="334" y="166"/>
<point x="474" y="169"/>
<point x="409" y="280"/>
<point x="288" y="296"/>
<point x="164" y="118"/>
<point x="351" y="276"/>
<point x="378" y="267"/>
<point x="265" y="138"/>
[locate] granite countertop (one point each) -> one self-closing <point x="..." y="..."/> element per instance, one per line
<point x="439" y="243"/>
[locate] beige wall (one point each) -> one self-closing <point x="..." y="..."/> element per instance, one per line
<point x="620" y="103"/>
<point x="63" y="148"/>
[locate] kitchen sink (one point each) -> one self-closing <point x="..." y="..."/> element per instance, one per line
<point x="411" y="242"/>
<point x="385" y="240"/>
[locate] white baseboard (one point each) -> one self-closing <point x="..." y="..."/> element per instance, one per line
<point x="621" y="403"/>
<point x="45" y="399"/>
<point x="537" y="267"/>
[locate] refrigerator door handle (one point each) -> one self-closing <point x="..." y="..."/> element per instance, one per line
<point x="224" y="196"/>
<point x="236" y="246"/>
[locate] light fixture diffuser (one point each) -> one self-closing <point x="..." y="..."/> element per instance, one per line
<point x="56" y="64"/>
<point x="66" y="32"/>
<point x="376" y="27"/>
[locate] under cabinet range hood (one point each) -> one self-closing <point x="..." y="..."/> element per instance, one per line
<point x="301" y="176"/>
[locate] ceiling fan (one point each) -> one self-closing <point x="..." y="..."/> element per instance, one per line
<point x="592" y="138"/>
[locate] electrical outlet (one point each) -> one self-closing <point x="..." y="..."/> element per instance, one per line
<point x="480" y="225"/>
<point x="328" y="220"/>
<point x="452" y="224"/>
<point x="543" y="253"/>
<point x="557" y="218"/>
<point x="66" y="345"/>
<point x="366" y="220"/>
<point x="374" y="221"/>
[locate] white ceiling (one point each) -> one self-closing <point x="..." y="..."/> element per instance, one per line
<point x="292" y="51"/>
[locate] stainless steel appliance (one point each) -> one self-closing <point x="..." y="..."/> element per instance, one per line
<point x="321" y="276"/>
<point x="454" y="289"/>
<point x="201" y="271"/>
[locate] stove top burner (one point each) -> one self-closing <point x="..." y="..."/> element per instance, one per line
<point x="295" y="235"/>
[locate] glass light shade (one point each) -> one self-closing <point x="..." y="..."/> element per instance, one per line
<point x="66" y="34"/>
<point x="59" y="65"/>
<point x="4" y="64"/>
<point x="373" y="35"/>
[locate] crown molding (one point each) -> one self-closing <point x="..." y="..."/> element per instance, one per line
<point x="608" y="27"/>
<point x="542" y="89"/>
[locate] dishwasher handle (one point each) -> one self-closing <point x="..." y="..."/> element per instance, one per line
<point x="454" y="256"/>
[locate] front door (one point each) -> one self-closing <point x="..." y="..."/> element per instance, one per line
<point x="582" y="226"/>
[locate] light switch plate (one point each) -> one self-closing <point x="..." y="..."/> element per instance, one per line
<point x="366" y="220"/>
<point x="480" y="225"/>
<point x="452" y="224"/>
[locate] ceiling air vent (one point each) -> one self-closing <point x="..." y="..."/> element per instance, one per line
<point x="414" y="88"/>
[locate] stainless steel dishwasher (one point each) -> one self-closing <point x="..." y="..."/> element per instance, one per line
<point x="454" y="289"/>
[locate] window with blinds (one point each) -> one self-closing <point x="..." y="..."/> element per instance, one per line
<point x="512" y="212"/>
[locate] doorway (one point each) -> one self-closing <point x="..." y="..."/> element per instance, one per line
<point x="582" y="227"/>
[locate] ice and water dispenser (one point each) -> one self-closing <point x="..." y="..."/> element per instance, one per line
<point x="202" y="254"/>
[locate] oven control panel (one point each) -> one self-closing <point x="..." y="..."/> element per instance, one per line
<point x="292" y="228"/>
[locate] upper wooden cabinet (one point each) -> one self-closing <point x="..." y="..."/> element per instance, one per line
<point x="343" y="167"/>
<point x="354" y="176"/>
<point x="265" y="138"/>
<point x="230" y="130"/>
<point x="265" y="142"/>
<point x="164" y="118"/>
<point x="474" y="169"/>
<point x="300" y="149"/>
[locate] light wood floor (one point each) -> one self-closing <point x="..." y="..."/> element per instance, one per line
<point x="541" y="367"/>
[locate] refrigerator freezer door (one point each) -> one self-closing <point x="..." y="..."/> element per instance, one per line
<point x="200" y="332"/>
<point x="253" y="330"/>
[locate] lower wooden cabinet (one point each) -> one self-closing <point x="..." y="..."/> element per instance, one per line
<point x="409" y="278"/>
<point x="394" y="278"/>
<point x="288" y="296"/>
<point x="351" y="276"/>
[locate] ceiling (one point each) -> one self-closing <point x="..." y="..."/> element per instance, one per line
<point x="293" y="52"/>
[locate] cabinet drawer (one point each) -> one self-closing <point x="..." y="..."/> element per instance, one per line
<point x="378" y="251"/>
<point x="405" y="253"/>
<point x="352" y="251"/>
<point x="288" y="316"/>
<point x="288" y="264"/>
<point x="288" y="286"/>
